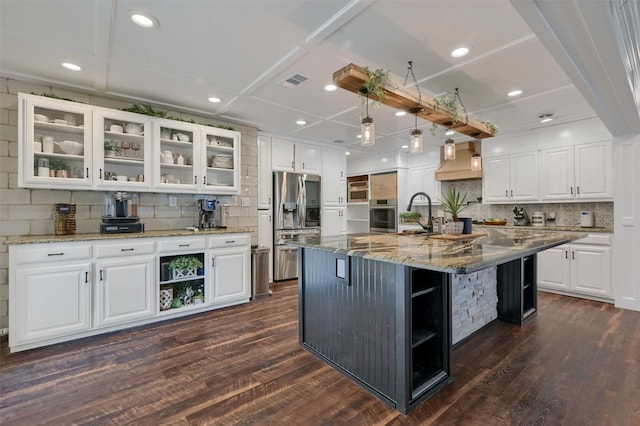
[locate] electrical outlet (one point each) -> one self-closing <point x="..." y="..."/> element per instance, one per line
<point x="173" y="201"/>
<point x="4" y="331"/>
<point x="245" y="202"/>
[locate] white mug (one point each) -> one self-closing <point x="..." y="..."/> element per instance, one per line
<point x="43" y="171"/>
<point x="37" y="146"/>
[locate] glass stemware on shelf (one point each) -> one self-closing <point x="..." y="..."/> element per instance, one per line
<point x="135" y="147"/>
<point x="125" y="146"/>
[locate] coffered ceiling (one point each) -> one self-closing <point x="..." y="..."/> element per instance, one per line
<point x="242" y="50"/>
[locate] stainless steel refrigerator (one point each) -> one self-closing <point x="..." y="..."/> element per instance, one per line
<point x="296" y="211"/>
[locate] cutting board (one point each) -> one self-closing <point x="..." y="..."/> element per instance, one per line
<point x="452" y="237"/>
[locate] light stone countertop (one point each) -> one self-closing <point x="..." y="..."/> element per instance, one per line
<point x="39" y="239"/>
<point x="461" y="257"/>
<point x="596" y="229"/>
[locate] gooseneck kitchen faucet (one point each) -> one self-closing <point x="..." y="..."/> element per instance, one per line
<point x="430" y="223"/>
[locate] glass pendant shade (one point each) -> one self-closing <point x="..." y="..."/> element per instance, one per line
<point x="416" y="141"/>
<point x="449" y="150"/>
<point x="476" y="162"/>
<point x="367" y="132"/>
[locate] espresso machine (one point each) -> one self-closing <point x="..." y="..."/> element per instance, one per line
<point x="207" y="214"/>
<point x="121" y="214"/>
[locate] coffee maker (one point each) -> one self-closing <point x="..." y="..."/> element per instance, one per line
<point x="207" y="214"/>
<point x="121" y="214"/>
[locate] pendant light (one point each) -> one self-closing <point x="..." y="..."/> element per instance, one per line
<point x="449" y="149"/>
<point x="415" y="145"/>
<point x="476" y="162"/>
<point x="416" y="134"/>
<point x="367" y="130"/>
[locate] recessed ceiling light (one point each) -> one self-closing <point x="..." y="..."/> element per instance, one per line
<point x="330" y="87"/>
<point x="545" y="118"/>
<point x="72" y="67"/>
<point x="404" y="147"/>
<point x="143" y="20"/>
<point x="401" y="113"/>
<point x="301" y="122"/>
<point x="459" y="52"/>
<point x="513" y="93"/>
<point x="359" y="136"/>
<point x="214" y="99"/>
<point x="347" y="153"/>
<point x="449" y="132"/>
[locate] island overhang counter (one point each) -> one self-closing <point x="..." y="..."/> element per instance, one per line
<point x="386" y="309"/>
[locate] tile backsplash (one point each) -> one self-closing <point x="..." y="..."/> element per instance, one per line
<point x="567" y="214"/>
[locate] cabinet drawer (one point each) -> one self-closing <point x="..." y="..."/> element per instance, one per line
<point x="52" y="253"/>
<point x="229" y="240"/>
<point x="124" y="248"/>
<point x="181" y="244"/>
<point x="595" y="239"/>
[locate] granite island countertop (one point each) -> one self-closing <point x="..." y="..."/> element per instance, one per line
<point x="461" y="257"/>
<point x="39" y="239"/>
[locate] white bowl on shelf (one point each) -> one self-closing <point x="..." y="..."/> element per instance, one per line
<point x="41" y="117"/>
<point x="70" y="147"/>
<point x="60" y="121"/>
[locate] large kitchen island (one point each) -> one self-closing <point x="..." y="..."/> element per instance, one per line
<point x="386" y="309"/>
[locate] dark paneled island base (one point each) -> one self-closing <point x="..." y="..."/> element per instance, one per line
<point x="384" y="319"/>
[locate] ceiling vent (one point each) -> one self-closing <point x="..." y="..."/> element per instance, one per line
<point x="294" y="80"/>
<point x="338" y="141"/>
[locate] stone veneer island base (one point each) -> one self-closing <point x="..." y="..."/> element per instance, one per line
<point x="385" y="310"/>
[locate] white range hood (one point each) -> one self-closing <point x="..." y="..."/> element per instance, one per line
<point x="460" y="168"/>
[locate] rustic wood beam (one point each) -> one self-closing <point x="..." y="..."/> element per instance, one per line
<point x="352" y="77"/>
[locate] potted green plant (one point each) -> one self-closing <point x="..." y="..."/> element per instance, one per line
<point x="59" y="168"/>
<point x="410" y="217"/>
<point x="111" y="148"/>
<point x="185" y="266"/>
<point x="453" y="202"/>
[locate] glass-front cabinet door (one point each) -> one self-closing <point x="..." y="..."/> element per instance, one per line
<point x="177" y="165"/>
<point x="221" y="160"/>
<point x="55" y="142"/>
<point x="122" y="157"/>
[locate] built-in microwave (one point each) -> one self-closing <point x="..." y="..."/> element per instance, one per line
<point x="358" y="191"/>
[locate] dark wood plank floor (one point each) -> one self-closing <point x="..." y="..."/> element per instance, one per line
<point x="577" y="363"/>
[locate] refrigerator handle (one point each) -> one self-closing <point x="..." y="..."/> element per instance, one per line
<point x="302" y="202"/>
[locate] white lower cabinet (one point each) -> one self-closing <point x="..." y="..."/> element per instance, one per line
<point x="229" y="277"/>
<point x="582" y="268"/>
<point x="49" y="302"/>
<point x="124" y="290"/>
<point x="334" y="221"/>
<point x="65" y="291"/>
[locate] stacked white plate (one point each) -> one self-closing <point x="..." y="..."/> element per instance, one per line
<point x="224" y="161"/>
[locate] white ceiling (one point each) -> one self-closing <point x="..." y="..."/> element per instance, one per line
<point x="241" y="50"/>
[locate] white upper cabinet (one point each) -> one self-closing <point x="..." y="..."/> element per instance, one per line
<point x="334" y="185"/>
<point x="583" y="172"/>
<point x="55" y="143"/>
<point x="219" y="161"/>
<point x="423" y="179"/>
<point x="265" y="189"/>
<point x="509" y="178"/>
<point x="68" y="145"/>
<point x="122" y="156"/>
<point x="290" y="156"/>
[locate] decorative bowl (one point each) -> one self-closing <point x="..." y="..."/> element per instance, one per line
<point x="70" y="147"/>
<point x="134" y="128"/>
<point x="41" y="117"/>
<point x="60" y="121"/>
